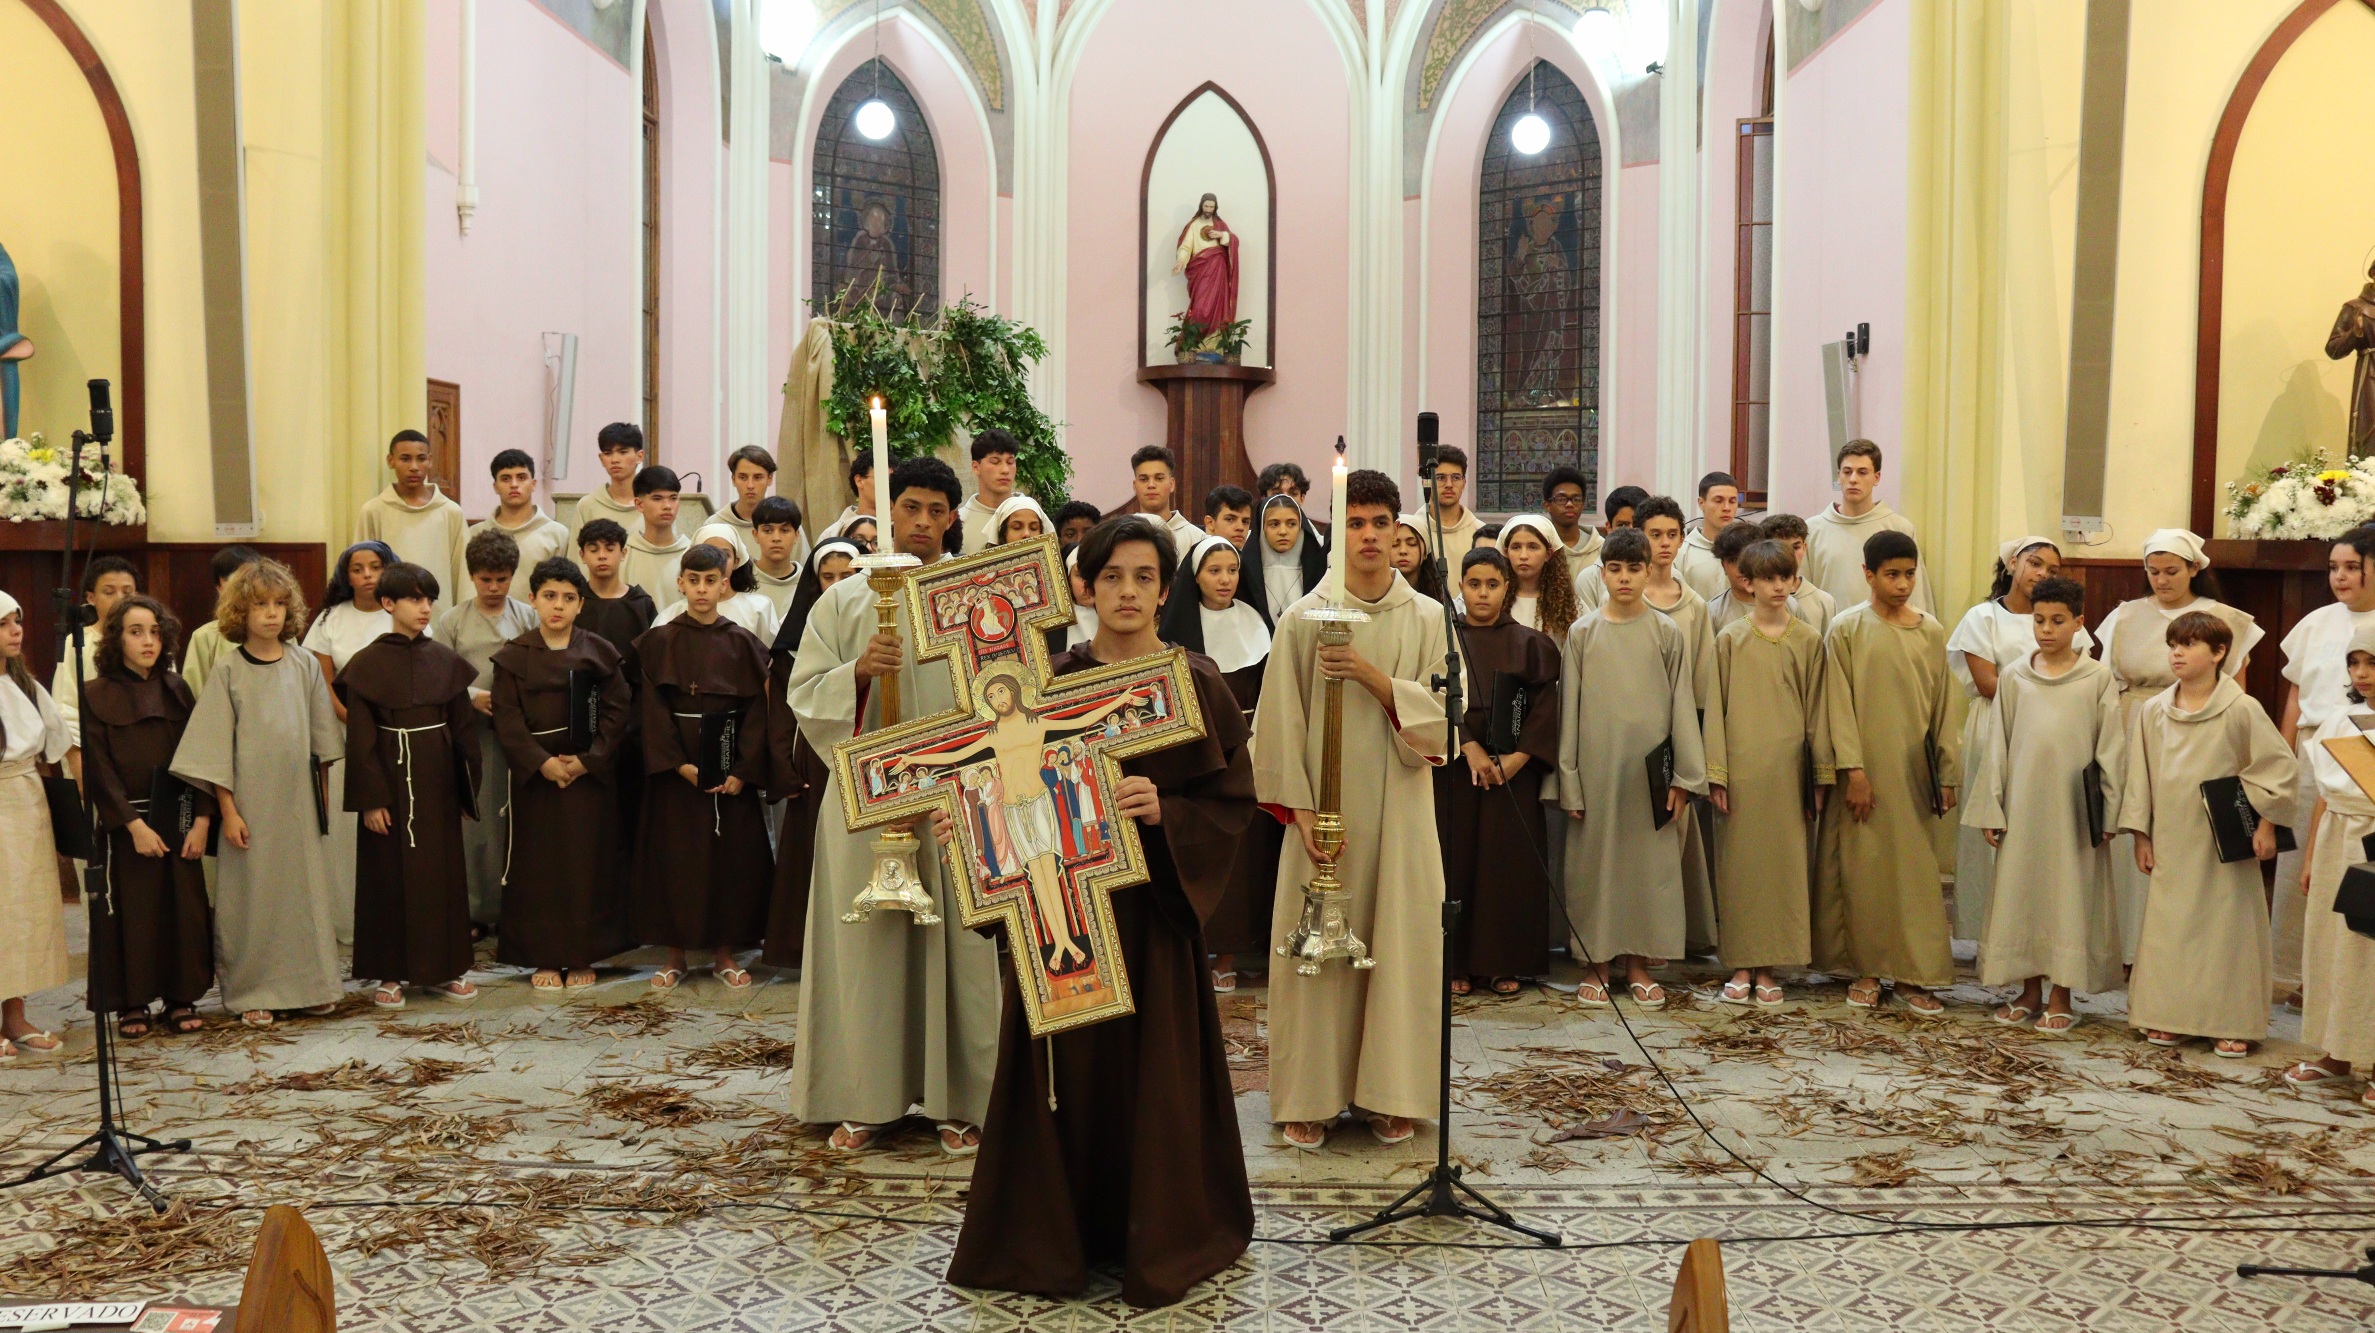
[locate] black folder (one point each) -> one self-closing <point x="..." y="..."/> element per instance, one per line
<point x="2098" y="816"/>
<point x="68" y="828"/>
<point x="1929" y="754"/>
<point x="2233" y="821"/>
<point x="2355" y="900"/>
<point x="465" y="787"/>
<point x="173" y="812"/>
<point x="321" y="797"/>
<point x="1806" y="784"/>
<point x="585" y="705"/>
<point x="1507" y="721"/>
<point x="720" y="748"/>
<point x="1661" y="781"/>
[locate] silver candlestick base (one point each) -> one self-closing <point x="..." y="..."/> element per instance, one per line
<point x="895" y="884"/>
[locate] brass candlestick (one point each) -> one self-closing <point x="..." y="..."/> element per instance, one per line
<point x="895" y="882"/>
<point x="1323" y="933"/>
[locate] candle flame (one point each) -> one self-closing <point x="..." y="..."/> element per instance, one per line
<point x="875" y="403"/>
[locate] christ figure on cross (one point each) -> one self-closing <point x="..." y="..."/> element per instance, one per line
<point x="1017" y="740"/>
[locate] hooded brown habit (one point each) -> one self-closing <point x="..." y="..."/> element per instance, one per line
<point x="1138" y="1164"/>
<point x="1504" y="895"/>
<point x="702" y="868"/>
<point x="411" y="744"/>
<point x="161" y="946"/>
<point x="621" y="621"/>
<point x="796" y="776"/>
<point x="564" y="893"/>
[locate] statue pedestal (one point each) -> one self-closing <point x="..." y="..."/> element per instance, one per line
<point x="1205" y="424"/>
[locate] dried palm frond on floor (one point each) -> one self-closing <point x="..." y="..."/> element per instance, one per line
<point x="1882" y="1170"/>
<point x="754" y="1052"/>
<point x="1564" y="1086"/>
<point x="90" y="1255"/>
<point x="647" y="1017"/>
<point x="357" y="1076"/>
<point x="653" y="1104"/>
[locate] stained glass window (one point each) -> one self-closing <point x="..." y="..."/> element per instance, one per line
<point x="1538" y="299"/>
<point x="877" y="202"/>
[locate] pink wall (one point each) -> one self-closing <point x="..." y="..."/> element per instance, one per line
<point x="556" y="241"/>
<point x="1840" y="245"/>
<point x="1628" y="211"/>
<point x="1734" y="77"/>
<point x="684" y="41"/>
<point x="783" y="204"/>
<point x="1138" y="64"/>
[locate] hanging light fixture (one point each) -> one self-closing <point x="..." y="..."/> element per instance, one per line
<point x="875" y="118"/>
<point x="1531" y="133"/>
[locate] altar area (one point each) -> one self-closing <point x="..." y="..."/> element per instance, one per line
<point x="621" y="1162"/>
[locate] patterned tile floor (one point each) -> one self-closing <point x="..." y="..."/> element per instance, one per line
<point x="746" y="1222"/>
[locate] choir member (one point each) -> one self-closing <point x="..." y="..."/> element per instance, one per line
<point x="1414" y="560"/>
<point x="1989" y="639"/>
<point x="653" y="552"/>
<point x="535" y="534"/>
<point x="106" y="581"/>
<point x="1877" y="909"/>
<point x="2052" y="921"/>
<point x="702" y="864"/>
<point x="1073" y="521"/>
<point x="1737" y="597"/>
<point x="1350" y="1038"/>
<point x="1228" y="514"/>
<point x="1488" y="807"/>
<point x="1448" y="478"/>
<point x="2312" y="649"/>
<point x="1777" y="770"/>
<point x="206" y="644"/>
<point x="892" y="1014"/>
<point x="996" y="455"/>
<point x="412" y="774"/>
<point x="1814" y="605"/>
<point x="1659" y="519"/>
<point x="2203" y="968"/>
<point x="258" y="739"/>
<point x="619" y="447"/>
<point x="1292" y="560"/>
<point x="1625" y="699"/>
<point x="1116" y="1144"/>
<point x="477" y="627"/>
<point x="1154" y="492"/>
<point x="2338" y="963"/>
<point x="1542" y="591"/>
<point x="564" y="896"/>
<point x="1017" y="518"/>
<point x="350" y="620"/>
<point x="1835" y="538"/>
<point x="414" y="519"/>
<point x="157" y="940"/>
<point x="1696" y="563"/>
<point x="777" y="549"/>
<point x="751" y="469"/>
<point x="618" y="612"/>
<point x="1563" y="496"/>
<point x="861" y="485"/>
<point x="743" y="604"/>
<point x="1206" y="614"/>
<point x="32" y="931"/>
<point x="796" y="773"/>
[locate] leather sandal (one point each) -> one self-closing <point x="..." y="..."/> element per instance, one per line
<point x="184" y="1018"/>
<point x="1507" y="986"/>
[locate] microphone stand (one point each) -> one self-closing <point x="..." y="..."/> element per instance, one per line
<point x="113" y="1148"/>
<point x="1438" y="1193"/>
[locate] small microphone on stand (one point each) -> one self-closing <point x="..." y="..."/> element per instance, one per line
<point x="102" y="413"/>
<point x="1430" y="429"/>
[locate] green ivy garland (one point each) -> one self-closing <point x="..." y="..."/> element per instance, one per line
<point x="963" y="368"/>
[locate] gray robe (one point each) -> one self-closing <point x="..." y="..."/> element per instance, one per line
<point x="892" y="1014"/>
<point x="257" y="732"/>
<point x="486" y="840"/>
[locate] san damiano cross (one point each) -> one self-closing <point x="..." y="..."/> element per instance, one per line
<point x="1024" y="766"/>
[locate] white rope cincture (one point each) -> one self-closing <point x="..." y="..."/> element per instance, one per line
<point x="404" y="757"/>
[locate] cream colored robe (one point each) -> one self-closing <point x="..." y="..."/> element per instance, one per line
<point x="2053" y="913"/>
<point x="1689" y="614"/>
<point x="486" y="840"/>
<point x="1458" y="538"/>
<point x="2337" y="963"/>
<point x="205" y="647"/>
<point x="598" y="504"/>
<point x="1696" y="565"/>
<point x="652" y="567"/>
<point x="431" y="535"/>
<point x="892" y="1014"/>
<point x="1835" y="555"/>
<point x="1770" y="693"/>
<point x="540" y="539"/>
<point x="2204" y="967"/>
<point x="1814" y="606"/>
<point x="1347" y="1037"/>
<point x="1878" y="907"/>
<point x="1624" y="690"/>
<point x="1723" y="610"/>
<point x="32" y="926"/>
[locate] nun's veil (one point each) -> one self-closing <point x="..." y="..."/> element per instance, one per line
<point x="1268" y="574"/>
<point x="806" y="592"/>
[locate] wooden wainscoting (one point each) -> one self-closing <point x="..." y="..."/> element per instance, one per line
<point x="179" y="574"/>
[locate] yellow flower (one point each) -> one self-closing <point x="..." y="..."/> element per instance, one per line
<point x="41" y="455"/>
<point x="2335" y="474"/>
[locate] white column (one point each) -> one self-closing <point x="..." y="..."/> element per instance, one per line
<point x="466" y="121"/>
<point x="746" y="378"/>
<point x="1679" y="422"/>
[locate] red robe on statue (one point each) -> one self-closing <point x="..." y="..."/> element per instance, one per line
<point x="1212" y="275"/>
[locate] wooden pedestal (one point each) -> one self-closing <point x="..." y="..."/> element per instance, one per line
<point x="1205" y="424"/>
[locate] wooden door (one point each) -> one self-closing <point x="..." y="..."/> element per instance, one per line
<point x="445" y="437"/>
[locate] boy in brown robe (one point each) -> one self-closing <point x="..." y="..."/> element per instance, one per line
<point x="564" y="904"/>
<point x="412" y="766"/>
<point x="158" y="940"/>
<point x="703" y="867"/>
<point x="795" y="771"/>
<point x="619" y="612"/>
<point x="1137" y="1163"/>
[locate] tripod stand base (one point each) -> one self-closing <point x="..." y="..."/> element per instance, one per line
<point x="112" y="1151"/>
<point x="2366" y="1274"/>
<point x="1442" y="1189"/>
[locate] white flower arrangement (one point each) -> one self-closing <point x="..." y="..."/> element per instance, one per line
<point x="33" y="486"/>
<point x="2308" y="498"/>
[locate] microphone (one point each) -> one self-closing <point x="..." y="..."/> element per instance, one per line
<point x="1429" y="436"/>
<point x="102" y="413"/>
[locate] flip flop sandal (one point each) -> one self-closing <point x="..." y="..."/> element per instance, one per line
<point x="1642" y="997"/>
<point x="2014" y="1015"/>
<point x="1873" y="1003"/>
<point x="539" y="981"/>
<point x="388" y="997"/>
<point x="7" y="1051"/>
<point x="1459" y="987"/>
<point x="451" y="995"/>
<point x="962" y="1149"/>
<point x="734" y="977"/>
<point x="666" y="978"/>
<point x="2309" y="1071"/>
<point x="30" y="1043"/>
<point x="1592" y="995"/>
<point x="1736" y="992"/>
<point x="1770" y="997"/>
<point x="320" y="1010"/>
<point x="1936" y="1008"/>
<point x="2164" y="1041"/>
<point x="1507" y="986"/>
<point x="1223" y="982"/>
<point x="257" y="1018"/>
<point x="1314" y="1146"/>
<point x="1377" y="1125"/>
<point x="2050" y="1027"/>
<point x="2219" y="1049"/>
<point x="854" y="1137"/>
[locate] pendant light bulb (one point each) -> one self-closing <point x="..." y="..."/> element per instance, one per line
<point x="876" y="121"/>
<point x="1530" y="135"/>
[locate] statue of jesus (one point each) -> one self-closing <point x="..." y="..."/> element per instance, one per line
<point x="1018" y="740"/>
<point x="1208" y="256"/>
<point x="2354" y="334"/>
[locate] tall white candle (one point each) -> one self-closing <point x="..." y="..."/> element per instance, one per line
<point x="1336" y="518"/>
<point x="882" y="433"/>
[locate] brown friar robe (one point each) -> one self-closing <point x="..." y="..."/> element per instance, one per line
<point x="1494" y="845"/>
<point x="159" y="945"/>
<point x="703" y="868"/>
<point x="1350" y="1037"/>
<point x="1878" y="907"/>
<point x="411" y="749"/>
<point x="2204" y="967"/>
<point x="1138" y="1164"/>
<point x="622" y="620"/>
<point x="1240" y="925"/>
<point x="796" y="776"/>
<point x="564" y="882"/>
<point x="1777" y="738"/>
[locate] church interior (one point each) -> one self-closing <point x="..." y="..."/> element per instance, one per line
<point x="2074" y="266"/>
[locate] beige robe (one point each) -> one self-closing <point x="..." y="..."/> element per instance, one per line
<point x="486" y="840"/>
<point x="1347" y="1037"/>
<point x="1878" y="907"/>
<point x="1696" y="565"/>
<point x="206" y="646"/>
<point x="892" y="1014"/>
<point x="431" y="535"/>
<point x="1689" y="614"/>
<point x="2204" y="967"/>
<point x="2052" y="913"/>
<point x="1458" y="538"/>
<point x="598" y="504"/>
<point x="652" y="567"/>
<point x="1770" y="693"/>
<point x="32" y="924"/>
<point x="1814" y="606"/>
<point x="2337" y="963"/>
<point x="1835" y="555"/>
<point x="1723" y="610"/>
<point x="1624" y="690"/>
<point x="540" y="539"/>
